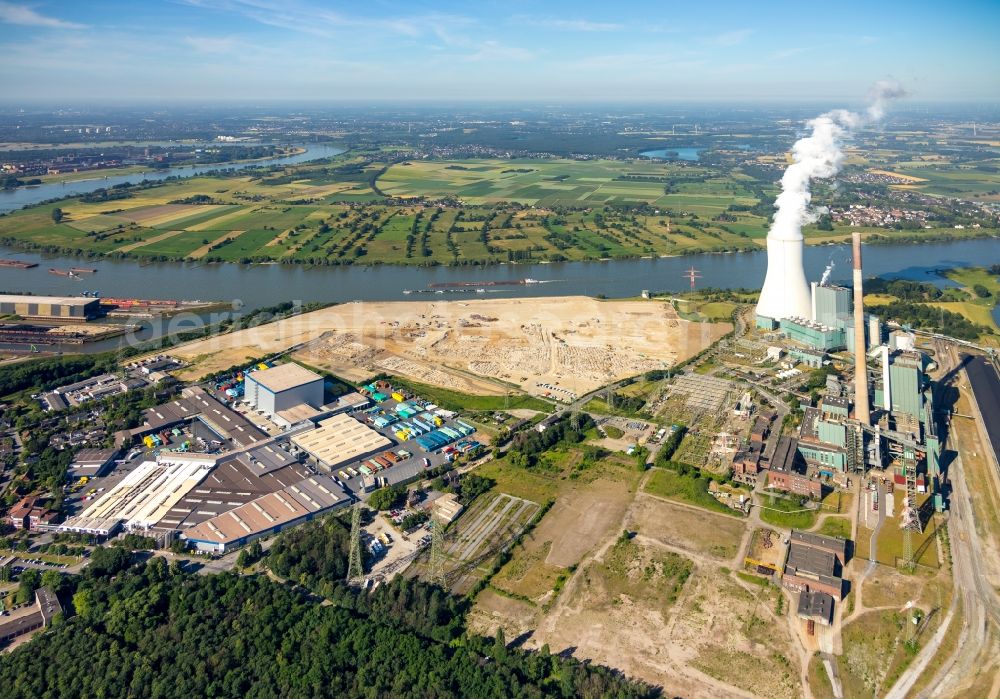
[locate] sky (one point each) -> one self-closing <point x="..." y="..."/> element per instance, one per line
<point x="659" y="51"/>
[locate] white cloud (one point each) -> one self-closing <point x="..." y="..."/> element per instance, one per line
<point x="572" y="25"/>
<point x="737" y="36"/>
<point x="782" y="54"/>
<point x="27" y="17"/>
<point x="212" y="44"/>
<point x="495" y="51"/>
<point x="316" y="19"/>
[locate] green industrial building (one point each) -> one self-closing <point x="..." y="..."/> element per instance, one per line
<point x="815" y="335"/>
<point x="832" y="305"/>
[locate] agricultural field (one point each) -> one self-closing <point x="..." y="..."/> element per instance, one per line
<point x="560" y="182"/>
<point x="360" y="208"/>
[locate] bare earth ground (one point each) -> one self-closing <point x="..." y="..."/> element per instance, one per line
<point x="694" y="531"/>
<point x="481" y="346"/>
<point x="719" y="637"/>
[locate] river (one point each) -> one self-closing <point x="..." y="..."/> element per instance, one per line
<point x="264" y="285"/>
<point x="255" y="286"/>
<point x="12" y="199"/>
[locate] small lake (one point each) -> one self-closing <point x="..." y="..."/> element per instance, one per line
<point x="690" y="154"/>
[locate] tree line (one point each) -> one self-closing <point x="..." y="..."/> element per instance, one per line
<point x="154" y="630"/>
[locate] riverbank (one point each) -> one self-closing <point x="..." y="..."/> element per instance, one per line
<point x="97" y="175"/>
<point x="255" y="286"/>
<point x="291" y="254"/>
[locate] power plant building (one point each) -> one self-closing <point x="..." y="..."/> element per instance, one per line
<point x="282" y="387"/>
<point x="831" y="305"/>
<point x="813" y="334"/>
<point x="50" y="307"/>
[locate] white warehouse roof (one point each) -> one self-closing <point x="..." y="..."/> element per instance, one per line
<point x="284" y="377"/>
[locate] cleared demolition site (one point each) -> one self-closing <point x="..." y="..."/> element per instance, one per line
<point x="562" y="348"/>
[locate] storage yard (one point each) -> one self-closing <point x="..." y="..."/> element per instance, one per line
<point x="575" y="344"/>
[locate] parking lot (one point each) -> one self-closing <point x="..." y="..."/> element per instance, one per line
<point x="415" y="458"/>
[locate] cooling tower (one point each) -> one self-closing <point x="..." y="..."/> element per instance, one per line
<point x="785" y="293"/>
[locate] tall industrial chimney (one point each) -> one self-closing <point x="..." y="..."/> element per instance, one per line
<point x="861" y="408"/>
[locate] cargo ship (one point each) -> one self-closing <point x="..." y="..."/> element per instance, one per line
<point x="455" y="285"/>
<point x="83" y="270"/>
<point x="18" y="264"/>
<point x="63" y="272"/>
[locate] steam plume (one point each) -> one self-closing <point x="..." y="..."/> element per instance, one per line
<point x="785" y="293"/>
<point x="880" y="94"/>
<point x="820" y="155"/>
<point x="826" y="274"/>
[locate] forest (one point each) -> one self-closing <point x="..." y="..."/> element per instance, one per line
<point x="157" y="631"/>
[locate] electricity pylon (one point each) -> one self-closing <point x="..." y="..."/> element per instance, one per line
<point x="355" y="568"/>
<point x="437" y="551"/>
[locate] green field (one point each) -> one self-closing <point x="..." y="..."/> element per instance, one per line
<point x="561" y="182"/>
<point x="786" y="512"/>
<point x="454" y="400"/>
<point x="673" y="486"/>
<point x="477" y="211"/>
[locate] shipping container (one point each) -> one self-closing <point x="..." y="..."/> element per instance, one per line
<point x="398" y="397"/>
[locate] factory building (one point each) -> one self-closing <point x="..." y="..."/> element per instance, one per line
<point x="786" y="471"/>
<point x="814" y="335"/>
<point x="269" y="514"/>
<point x="236" y="480"/>
<point x="339" y="440"/>
<point x="91" y="463"/>
<point x="814" y="564"/>
<point x="831" y="305"/>
<point x="144" y="496"/>
<point x="197" y="404"/>
<point x="50" y="307"/>
<point x="906" y="383"/>
<point x="815" y="606"/>
<point x="283" y="387"/>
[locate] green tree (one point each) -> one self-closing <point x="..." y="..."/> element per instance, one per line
<point x="30" y="581"/>
<point x="52" y="579"/>
<point x="57" y="215"/>
<point x="385" y="498"/>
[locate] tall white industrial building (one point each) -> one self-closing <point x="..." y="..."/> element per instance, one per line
<point x="283" y="387"/>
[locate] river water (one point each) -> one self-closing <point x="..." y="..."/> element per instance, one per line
<point x="12" y="199"/>
<point x="255" y="286"/>
<point x="265" y="285"/>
